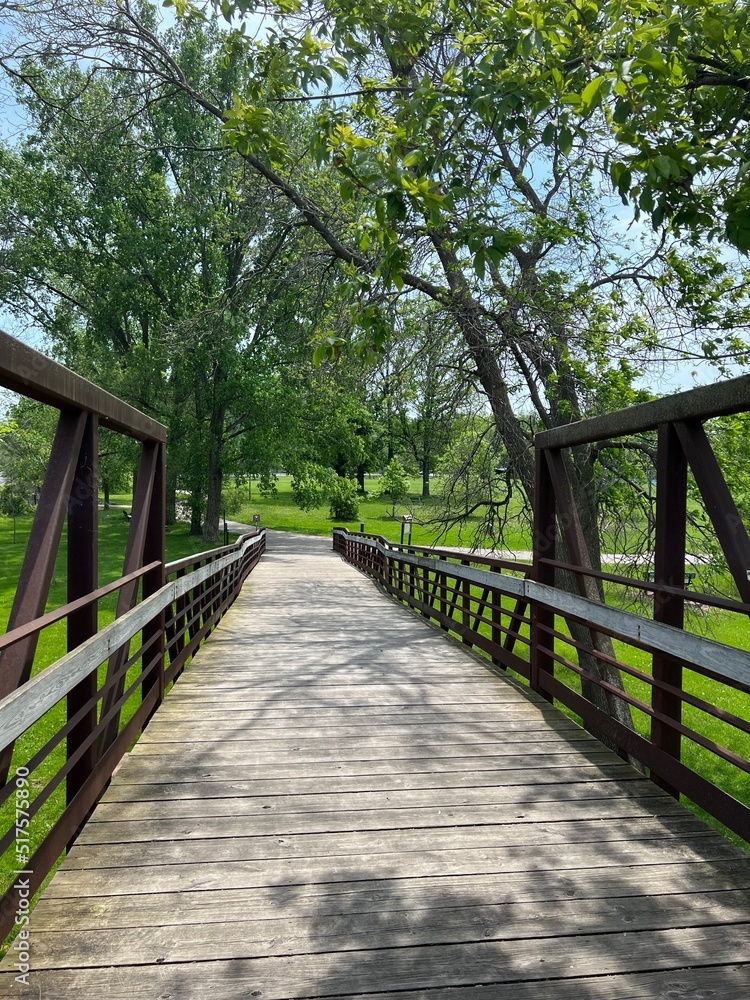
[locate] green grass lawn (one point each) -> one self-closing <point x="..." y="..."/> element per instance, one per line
<point x="377" y="514"/>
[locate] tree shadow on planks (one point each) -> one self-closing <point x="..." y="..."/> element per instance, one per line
<point x="613" y="929"/>
<point x="619" y="909"/>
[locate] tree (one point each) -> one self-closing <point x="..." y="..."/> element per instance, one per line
<point x="143" y="254"/>
<point x="672" y="82"/>
<point x="425" y="382"/>
<point x="26" y="436"/>
<point x="395" y="484"/>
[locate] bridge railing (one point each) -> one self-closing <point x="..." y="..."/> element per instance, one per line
<point x="675" y="702"/>
<point x="65" y="727"/>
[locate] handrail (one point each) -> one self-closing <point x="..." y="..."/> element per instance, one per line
<point x="469" y="603"/>
<point x="31" y="373"/>
<point x="712" y="658"/>
<point x="26" y="705"/>
<point x="38" y="624"/>
<point x="702" y="403"/>
<point x="174" y="620"/>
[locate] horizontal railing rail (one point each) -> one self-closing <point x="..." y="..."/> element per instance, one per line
<point x="524" y="625"/>
<point x="171" y="622"/>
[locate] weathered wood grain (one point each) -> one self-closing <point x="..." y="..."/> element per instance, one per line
<point x="321" y="898"/>
<point x="449" y="918"/>
<point x="189" y="784"/>
<point x="368" y="971"/>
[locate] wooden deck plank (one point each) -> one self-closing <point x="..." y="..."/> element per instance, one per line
<point x="336" y="800"/>
<point x="187" y="783"/>
<point x="206" y="906"/>
<point x="237" y="981"/>
<point x="204" y="798"/>
<point x="452" y="818"/>
<point x="528" y="845"/>
<point x="397" y="926"/>
<point x="422" y="967"/>
<point x="206" y="875"/>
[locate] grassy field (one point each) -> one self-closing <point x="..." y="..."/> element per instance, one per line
<point x="377" y="514"/>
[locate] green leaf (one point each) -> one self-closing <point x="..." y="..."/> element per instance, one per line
<point x="479" y="263"/>
<point x="320" y="354"/>
<point x="565" y="140"/>
<point x="738" y="229"/>
<point x="593" y="93"/>
<point x="666" y="166"/>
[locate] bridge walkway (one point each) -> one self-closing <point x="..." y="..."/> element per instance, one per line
<point x="336" y="800"/>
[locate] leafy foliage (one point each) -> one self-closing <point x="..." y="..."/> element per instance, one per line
<point x="310" y="485"/>
<point x="342" y="495"/>
<point x="394" y="483"/>
<point x="13" y="501"/>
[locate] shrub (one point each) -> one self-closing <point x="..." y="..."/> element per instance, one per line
<point x="395" y="484"/>
<point x="310" y="485"/>
<point x="342" y="494"/>
<point x="232" y="498"/>
<point x="13" y="502"/>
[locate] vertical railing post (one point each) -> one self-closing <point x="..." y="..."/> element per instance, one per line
<point x="497" y="620"/>
<point x="466" y="606"/>
<point x="544" y="546"/>
<point x="83" y="575"/>
<point x="134" y="550"/>
<point x="669" y="570"/>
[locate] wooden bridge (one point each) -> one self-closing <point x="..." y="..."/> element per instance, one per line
<point x="338" y="799"/>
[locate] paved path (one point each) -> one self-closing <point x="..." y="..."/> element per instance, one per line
<point x="338" y="801"/>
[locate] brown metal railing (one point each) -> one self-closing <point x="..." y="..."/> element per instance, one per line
<point x="688" y="697"/>
<point x="64" y="730"/>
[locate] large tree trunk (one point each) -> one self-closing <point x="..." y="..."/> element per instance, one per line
<point x="425" y="473"/>
<point x="522" y="459"/>
<point x="195" y="516"/>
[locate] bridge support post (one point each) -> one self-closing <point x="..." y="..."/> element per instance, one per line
<point x="155" y="549"/>
<point x="83" y="573"/>
<point x="669" y="570"/>
<point x="544" y="546"/>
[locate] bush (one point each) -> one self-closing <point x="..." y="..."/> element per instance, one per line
<point x="342" y="494"/>
<point x="232" y="498"/>
<point x="13" y="502"/>
<point x="310" y="485"/>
